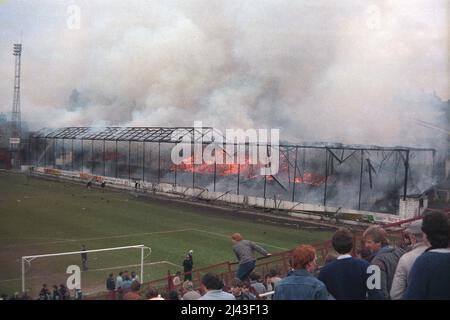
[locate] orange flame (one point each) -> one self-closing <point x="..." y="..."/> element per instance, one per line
<point x="248" y="170"/>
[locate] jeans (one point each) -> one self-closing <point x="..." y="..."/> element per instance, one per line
<point x="244" y="270"/>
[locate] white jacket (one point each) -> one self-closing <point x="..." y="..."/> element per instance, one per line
<point x="400" y="282"/>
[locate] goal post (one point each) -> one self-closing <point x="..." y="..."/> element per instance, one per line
<point x="28" y="259"/>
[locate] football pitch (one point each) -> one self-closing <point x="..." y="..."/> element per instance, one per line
<point x="39" y="216"/>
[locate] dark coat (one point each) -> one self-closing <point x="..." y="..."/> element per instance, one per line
<point x="188" y="264"/>
<point x="110" y="284"/>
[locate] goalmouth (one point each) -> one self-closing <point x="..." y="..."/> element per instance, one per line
<point x="71" y="269"/>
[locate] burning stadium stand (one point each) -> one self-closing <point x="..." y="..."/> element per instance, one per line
<point x="327" y="178"/>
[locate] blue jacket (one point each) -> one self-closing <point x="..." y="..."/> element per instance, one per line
<point x="110" y="284"/>
<point x="300" y="285"/>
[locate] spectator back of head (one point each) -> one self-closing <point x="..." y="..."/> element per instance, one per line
<point x="151" y="293"/>
<point x="302" y="256"/>
<point x="342" y="241"/>
<point x="436" y="226"/>
<point x="212" y="281"/>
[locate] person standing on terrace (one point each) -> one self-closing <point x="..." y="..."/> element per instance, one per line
<point x="244" y="250"/>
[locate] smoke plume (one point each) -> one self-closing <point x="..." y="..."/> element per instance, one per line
<point x="363" y="72"/>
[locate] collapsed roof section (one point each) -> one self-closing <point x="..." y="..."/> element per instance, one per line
<point x="138" y="134"/>
<point x="199" y="134"/>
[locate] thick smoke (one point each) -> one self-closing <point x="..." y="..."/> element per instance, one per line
<point x="360" y="72"/>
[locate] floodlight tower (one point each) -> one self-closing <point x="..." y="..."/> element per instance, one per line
<point x="15" y="115"/>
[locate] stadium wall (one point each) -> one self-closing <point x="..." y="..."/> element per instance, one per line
<point x="410" y="207"/>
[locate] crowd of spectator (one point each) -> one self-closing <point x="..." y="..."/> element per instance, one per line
<point x="383" y="271"/>
<point x="419" y="269"/>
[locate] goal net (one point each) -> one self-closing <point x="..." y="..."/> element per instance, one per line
<point x="82" y="272"/>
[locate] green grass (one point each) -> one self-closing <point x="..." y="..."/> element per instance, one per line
<point x="39" y="216"/>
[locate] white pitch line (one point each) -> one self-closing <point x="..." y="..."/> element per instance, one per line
<point x="98" y="238"/>
<point x="37" y="238"/>
<point x="227" y="236"/>
<point x="135" y="235"/>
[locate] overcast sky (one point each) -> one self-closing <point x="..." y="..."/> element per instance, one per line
<point x="345" y="71"/>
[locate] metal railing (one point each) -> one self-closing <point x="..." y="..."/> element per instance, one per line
<point x="278" y="261"/>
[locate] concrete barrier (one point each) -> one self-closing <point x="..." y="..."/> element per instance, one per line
<point x="295" y="209"/>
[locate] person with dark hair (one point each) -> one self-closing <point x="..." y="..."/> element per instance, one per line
<point x="268" y="283"/>
<point x="111" y="287"/>
<point x="300" y="284"/>
<point x="212" y="284"/>
<point x="44" y="294"/>
<point x="406" y="243"/>
<point x="153" y="294"/>
<point x="345" y="277"/>
<point x="126" y="283"/>
<point x="188" y="265"/>
<point x="56" y="295"/>
<point x="64" y="292"/>
<point x="385" y="257"/>
<point x="246" y="291"/>
<point x="430" y="274"/>
<point x="274" y="277"/>
<point x="256" y="283"/>
<point x="419" y="244"/>
<point x="237" y="290"/>
<point x="244" y="250"/>
<point x="119" y="281"/>
<point x="134" y="276"/>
